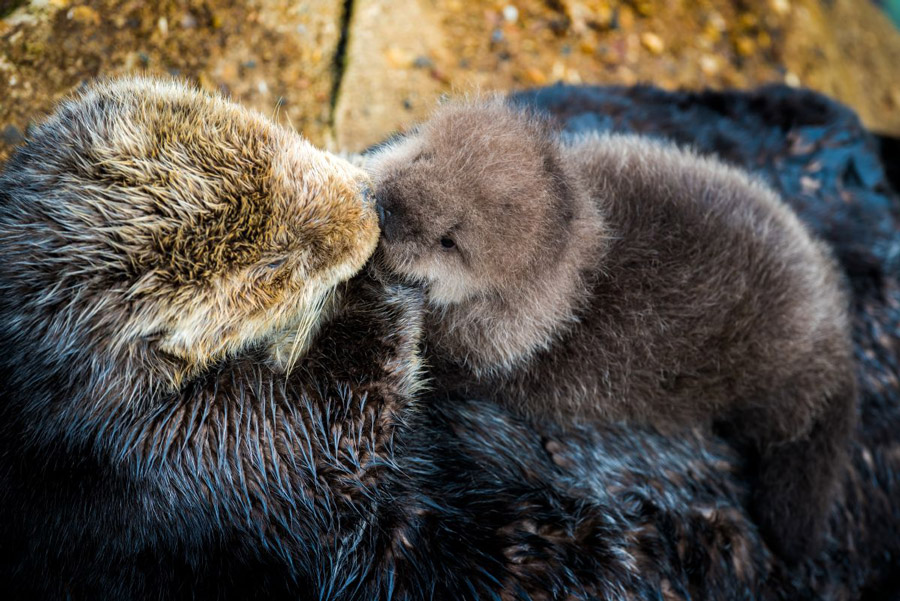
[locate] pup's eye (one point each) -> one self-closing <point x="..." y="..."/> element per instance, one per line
<point x="276" y="263"/>
<point x="447" y="242"/>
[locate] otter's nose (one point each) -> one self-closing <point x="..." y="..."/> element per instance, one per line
<point x="384" y="211"/>
<point x="368" y="197"/>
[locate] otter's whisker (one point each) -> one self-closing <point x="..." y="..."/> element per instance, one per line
<point x="306" y="326"/>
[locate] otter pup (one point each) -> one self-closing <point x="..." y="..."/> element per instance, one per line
<point x="618" y="278"/>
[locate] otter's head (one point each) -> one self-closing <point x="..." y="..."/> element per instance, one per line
<point x="164" y="227"/>
<point x="475" y="200"/>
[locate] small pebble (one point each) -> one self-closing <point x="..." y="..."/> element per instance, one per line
<point x="228" y="71"/>
<point x="578" y="16"/>
<point x="780" y="7"/>
<point x="748" y="20"/>
<point x="573" y="76"/>
<point x="423" y="62"/>
<point x="625" y="17"/>
<point x="643" y="7"/>
<point x="717" y="21"/>
<point x="711" y="34"/>
<point x="510" y="13"/>
<point x="652" y="42"/>
<point x="84" y="15"/>
<point x="626" y="76"/>
<point x="894" y="97"/>
<point x="535" y="76"/>
<point x="709" y="65"/>
<point x="163" y="25"/>
<point x="439" y="75"/>
<point x="496" y="36"/>
<point x="792" y="80"/>
<point x="558" y="72"/>
<point x="632" y="48"/>
<point x="397" y="57"/>
<point x="603" y="15"/>
<point x="745" y="46"/>
<point x="188" y="21"/>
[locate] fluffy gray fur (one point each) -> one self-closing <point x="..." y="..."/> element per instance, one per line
<point x="610" y="278"/>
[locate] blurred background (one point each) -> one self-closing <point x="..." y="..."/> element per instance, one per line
<point x="346" y="73"/>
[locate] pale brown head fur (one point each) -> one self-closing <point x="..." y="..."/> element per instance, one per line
<point x="165" y="228"/>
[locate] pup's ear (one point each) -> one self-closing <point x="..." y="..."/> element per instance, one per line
<point x="546" y="133"/>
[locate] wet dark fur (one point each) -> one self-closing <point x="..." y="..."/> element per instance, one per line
<point x="130" y="469"/>
<point x="685" y="294"/>
<point x="245" y="483"/>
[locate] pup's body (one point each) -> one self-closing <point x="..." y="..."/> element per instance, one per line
<point x="614" y="278"/>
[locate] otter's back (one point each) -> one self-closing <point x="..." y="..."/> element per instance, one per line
<point x="710" y="289"/>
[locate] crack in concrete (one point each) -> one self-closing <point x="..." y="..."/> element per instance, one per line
<point x="340" y="61"/>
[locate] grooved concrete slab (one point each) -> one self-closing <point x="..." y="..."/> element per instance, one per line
<point x="395" y="53"/>
<point x="403" y="54"/>
<point x="279" y="56"/>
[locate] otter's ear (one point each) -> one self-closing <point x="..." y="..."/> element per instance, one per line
<point x="547" y="136"/>
<point x="546" y="124"/>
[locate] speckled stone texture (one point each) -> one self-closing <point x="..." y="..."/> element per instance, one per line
<point x="346" y="73"/>
<point x="276" y="56"/>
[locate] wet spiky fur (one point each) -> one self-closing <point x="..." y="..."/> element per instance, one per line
<point x="616" y="278"/>
<point x="167" y="258"/>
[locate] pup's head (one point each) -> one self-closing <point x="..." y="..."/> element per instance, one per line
<point x="146" y="219"/>
<point x="475" y="200"/>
